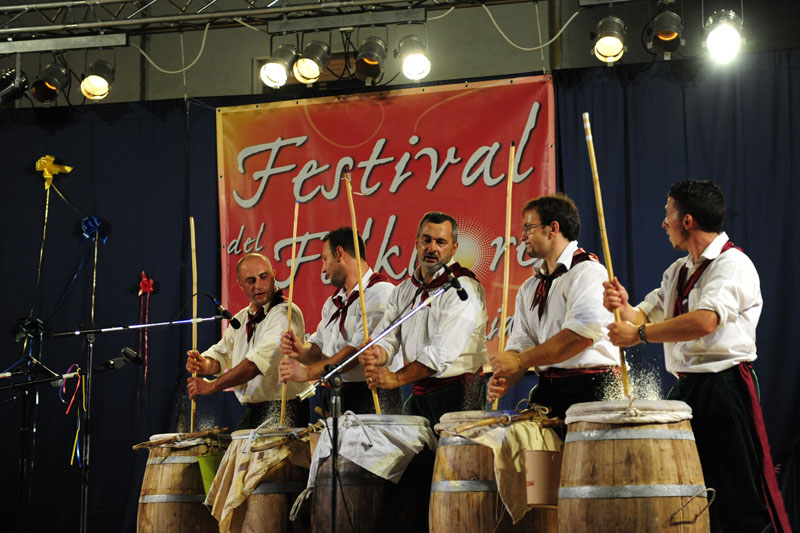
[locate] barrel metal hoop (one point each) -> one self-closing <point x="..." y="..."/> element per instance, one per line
<point x="279" y="487"/>
<point x="172" y="459"/>
<point x="467" y="485"/>
<point x="630" y="434"/>
<point x="456" y="441"/>
<point x="629" y="491"/>
<point x="172" y="498"/>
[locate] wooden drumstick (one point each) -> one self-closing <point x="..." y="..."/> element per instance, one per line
<point x="349" y="188"/>
<point x="506" y="260"/>
<point x="289" y="311"/>
<point x="604" y="238"/>
<point x="194" y="310"/>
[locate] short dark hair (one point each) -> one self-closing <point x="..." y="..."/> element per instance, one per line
<point x="344" y="237"/>
<point x="559" y="208"/>
<point x="437" y="217"/>
<point x="701" y="199"/>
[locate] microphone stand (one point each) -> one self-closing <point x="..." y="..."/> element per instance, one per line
<point x="90" y="334"/>
<point x="333" y="378"/>
<point x="325" y="378"/>
<point x="111" y="364"/>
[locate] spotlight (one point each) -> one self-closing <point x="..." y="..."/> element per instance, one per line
<point x="369" y="62"/>
<point x="51" y="80"/>
<point x="275" y="71"/>
<point x="98" y="80"/>
<point x="11" y="86"/>
<point x="308" y="67"/>
<point x="667" y="31"/>
<point x="413" y="52"/>
<point x="723" y="35"/>
<point x="609" y="43"/>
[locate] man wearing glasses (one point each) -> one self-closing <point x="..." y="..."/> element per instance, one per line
<point x="559" y="325"/>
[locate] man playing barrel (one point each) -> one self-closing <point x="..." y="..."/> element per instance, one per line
<point x="706" y="312"/>
<point x="559" y="320"/>
<point x="443" y="346"/>
<point x="341" y="331"/>
<point x="251" y="354"/>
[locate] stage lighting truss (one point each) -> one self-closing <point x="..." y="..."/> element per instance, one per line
<point x="609" y="40"/>
<point x="371" y="59"/>
<point x="413" y="52"/>
<point x="309" y="66"/>
<point x="723" y="35"/>
<point x="97" y="82"/>
<point x="667" y="34"/>
<point x="52" y="80"/>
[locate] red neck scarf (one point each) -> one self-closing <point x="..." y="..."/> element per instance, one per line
<point x="440" y="280"/>
<point x="684" y="286"/>
<point x="342" y="305"/>
<point x="545" y="281"/>
<point x="253" y="320"/>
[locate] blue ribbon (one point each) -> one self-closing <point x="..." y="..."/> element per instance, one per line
<point x="92" y="227"/>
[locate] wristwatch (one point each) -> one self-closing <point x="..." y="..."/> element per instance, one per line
<point x="641" y="334"/>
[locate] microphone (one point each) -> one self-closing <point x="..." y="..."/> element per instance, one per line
<point x="235" y="324"/>
<point x="455" y="283"/>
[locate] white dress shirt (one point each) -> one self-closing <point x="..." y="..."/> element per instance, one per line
<point x="448" y="336"/>
<point x="731" y="288"/>
<point x="329" y="337"/>
<point x="263" y="350"/>
<point x="574" y="302"/>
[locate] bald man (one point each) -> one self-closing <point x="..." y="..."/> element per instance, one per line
<point x="248" y="358"/>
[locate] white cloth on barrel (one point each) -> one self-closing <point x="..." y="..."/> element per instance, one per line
<point x="240" y="472"/>
<point x="381" y="444"/>
<point x="508" y="444"/>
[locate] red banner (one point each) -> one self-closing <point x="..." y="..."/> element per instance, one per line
<point x="410" y="151"/>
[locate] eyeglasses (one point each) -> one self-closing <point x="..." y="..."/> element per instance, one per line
<point x="527" y="228"/>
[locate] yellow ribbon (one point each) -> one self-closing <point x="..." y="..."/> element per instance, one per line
<point x="48" y="167"/>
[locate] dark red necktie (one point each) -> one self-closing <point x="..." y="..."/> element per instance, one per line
<point x="684" y="286"/>
<point x="545" y="281"/>
<point x="342" y="305"/>
<point x="252" y="320"/>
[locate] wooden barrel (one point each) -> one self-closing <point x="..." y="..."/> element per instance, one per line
<point x="372" y="503"/>
<point x="464" y="495"/>
<point x="627" y="476"/>
<point x="172" y="492"/>
<point x="267" y="507"/>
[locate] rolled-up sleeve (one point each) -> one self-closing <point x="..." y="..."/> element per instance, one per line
<point x="586" y="315"/>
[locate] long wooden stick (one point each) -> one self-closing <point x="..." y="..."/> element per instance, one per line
<point x="179" y="437"/>
<point x="289" y="311"/>
<point x="360" y="274"/>
<point x="604" y="237"/>
<point x="194" y="310"/>
<point x="506" y="260"/>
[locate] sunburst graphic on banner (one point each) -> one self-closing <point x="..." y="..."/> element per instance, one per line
<point x="475" y="247"/>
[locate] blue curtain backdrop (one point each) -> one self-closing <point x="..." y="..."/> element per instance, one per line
<point x="145" y="168"/>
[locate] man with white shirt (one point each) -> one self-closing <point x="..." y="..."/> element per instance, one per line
<point x="249" y="356"/>
<point x="443" y="346"/>
<point x="340" y="333"/>
<point x="706" y="312"/>
<point x="559" y="320"/>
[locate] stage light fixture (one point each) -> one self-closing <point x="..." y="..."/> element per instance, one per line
<point x="370" y="58"/>
<point x="723" y="35"/>
<point x="51" y="80"/>
<point x="98" y="80"/>
<point x="609" y="42"/>
<point x="667" y="33"/>
<point x="413" y="52"/>
<point x="308" y="67"/>
<point x="11" y="86"/>
<point x="275" y="71"/>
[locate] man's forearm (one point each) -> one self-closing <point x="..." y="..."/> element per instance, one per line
<point x="241" y="373"/>
<point x="413" y="372"/>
